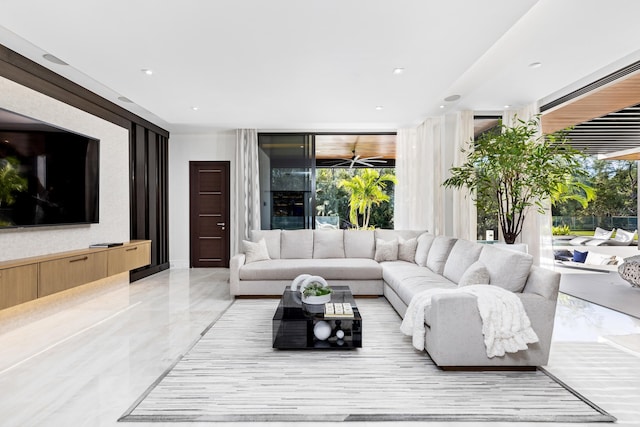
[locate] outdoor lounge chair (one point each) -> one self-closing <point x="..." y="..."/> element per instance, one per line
<point x="599" y="235"/>
<point x="623" y="238"/>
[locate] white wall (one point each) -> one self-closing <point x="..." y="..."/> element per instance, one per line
<point x="114" y="178"/>
<point x="183" y="148"/>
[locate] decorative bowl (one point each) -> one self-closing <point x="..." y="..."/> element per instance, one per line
<point x="316" y="299"/>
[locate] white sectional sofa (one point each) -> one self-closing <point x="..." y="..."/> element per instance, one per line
<point x="367" y="263"/>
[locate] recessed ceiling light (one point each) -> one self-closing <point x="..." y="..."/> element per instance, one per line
<point x="147" y="71"/>
<point x="125" y="99"/>
<point x="195" y="108"/>
<point x="452" y="98"/>
<point x="442" y="106"/>
<point x="54" y="59"/>
<point x="379" y="107"/>
<point x="507" y="106"/>
<point x="535" y="65"/>
<point x="398" y="71"/>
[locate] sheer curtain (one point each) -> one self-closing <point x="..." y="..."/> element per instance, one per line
<point x="419" y="195"/>
<point x="465" y="213"/>
<point x="246" y="203"/>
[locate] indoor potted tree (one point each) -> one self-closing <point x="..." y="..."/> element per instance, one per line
<point x="515" y="167"/>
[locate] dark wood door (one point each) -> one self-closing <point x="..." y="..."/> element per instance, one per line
<point x="209" y="213"/>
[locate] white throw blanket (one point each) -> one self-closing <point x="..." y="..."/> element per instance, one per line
<point x="505" y="325"/>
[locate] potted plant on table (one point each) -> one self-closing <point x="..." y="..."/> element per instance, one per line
<point x="316" y="293"/>
<point x="515" y="168"/>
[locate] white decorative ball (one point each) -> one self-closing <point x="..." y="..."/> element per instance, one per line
<point x="340" y="334"/>
<point x="322" y="330"/>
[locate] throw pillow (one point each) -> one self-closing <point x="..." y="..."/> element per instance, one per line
<point x="407" y="249"/>
<point x="580" y="256"/>
<point x="255" y="251"/>
<point x="595" y="258"/>
<point x="476" y="274"/>
<point x="386" y="251"/>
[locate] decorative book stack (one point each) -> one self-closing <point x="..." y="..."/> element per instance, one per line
<point x="338" y="310"/>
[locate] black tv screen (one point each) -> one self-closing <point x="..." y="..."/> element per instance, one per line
<point x="48" y="175"/>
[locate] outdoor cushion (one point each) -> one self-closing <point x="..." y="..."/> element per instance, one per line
<point x="579" y="256"/>
<point x="296" y="244"/>
<point x="328" y="244"/>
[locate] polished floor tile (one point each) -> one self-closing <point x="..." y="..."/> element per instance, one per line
<point x="87" y="363"/>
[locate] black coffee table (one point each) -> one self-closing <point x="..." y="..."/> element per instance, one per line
<point x="294" y="322"/>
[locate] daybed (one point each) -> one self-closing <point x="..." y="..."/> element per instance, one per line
<point x="400" y="264"/>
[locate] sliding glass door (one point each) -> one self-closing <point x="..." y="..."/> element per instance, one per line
<point x="287" y="181"/>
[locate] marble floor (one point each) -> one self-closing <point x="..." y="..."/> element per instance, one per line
<point x="85" y="361"/>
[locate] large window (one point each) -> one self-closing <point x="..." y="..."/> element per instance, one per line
<point x="300" y="176"/>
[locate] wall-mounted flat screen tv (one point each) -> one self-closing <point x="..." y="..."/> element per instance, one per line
<point x="48" y="175"/>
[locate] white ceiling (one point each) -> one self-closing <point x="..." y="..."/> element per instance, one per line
<point x="322" y="64"/>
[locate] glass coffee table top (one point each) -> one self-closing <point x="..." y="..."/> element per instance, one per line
<point x="303" y="326"/>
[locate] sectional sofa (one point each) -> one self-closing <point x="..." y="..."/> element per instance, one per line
<point x="398" y="264"/>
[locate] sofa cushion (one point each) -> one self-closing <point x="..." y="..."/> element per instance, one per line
<point x="476" y="274"/>
<point x="272" y="237"/>
<point x="462" y="255"/>
<point x="296" y="244"/>
<point x="425" y="241"/>
<point x="407" y="249"/>
<point x="328" y="244"/>
<point x="359" y="243"/>
<point x="439" y="252"/>
<point x="508" y="269"/>
<point x="406" y="279"/>
<point x="386" y="250"/>
<point x="329" y="269"/>
<point x="255" y="251"/>
<point x="387" y="235"/>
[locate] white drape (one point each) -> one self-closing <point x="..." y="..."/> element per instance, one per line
<point x="465" y="213"/>
<point x="418" y="194"/>
<point x="246" y="203"/>
<point x="423" y="158"/>
<point x="536" y="230"/>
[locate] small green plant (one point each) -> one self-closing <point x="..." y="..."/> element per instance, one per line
<point x="561" y="230"/>
<point x="316" y="289"/>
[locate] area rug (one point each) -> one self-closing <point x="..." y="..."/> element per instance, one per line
<point x="233" y="374"/>
<point x="605" y="289"/>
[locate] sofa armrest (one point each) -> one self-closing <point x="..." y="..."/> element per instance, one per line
<point x="454" y="335"/>
<point x="235" y="263"/>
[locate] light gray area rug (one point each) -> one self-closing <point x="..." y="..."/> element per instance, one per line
<point x="606" y="289"/>
<point x="233" y="374"/>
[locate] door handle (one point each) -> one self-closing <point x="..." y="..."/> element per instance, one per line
<point x="222" y="224"/>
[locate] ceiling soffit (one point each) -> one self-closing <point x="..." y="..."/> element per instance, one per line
<point x="604" y="116"/>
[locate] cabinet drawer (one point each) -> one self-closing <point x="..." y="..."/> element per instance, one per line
<point x="129" y="257"/>
<point x="18" y="285"/>
<point x="65" y="273"/>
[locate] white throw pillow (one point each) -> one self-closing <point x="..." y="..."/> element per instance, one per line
<point x="386" y="251"/>
<point x="476" y="274"/>
<point x="595" y="258"/>
<point x="255" y="251"/>
<point x="407" y="249"/>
